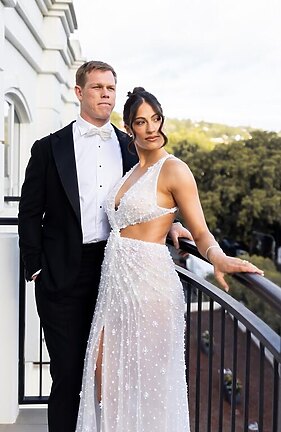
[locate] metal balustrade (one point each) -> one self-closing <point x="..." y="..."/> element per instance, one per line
<point x="230" y="316"/>
<point x="238" y="340"/>
<point x="243" y="343"/>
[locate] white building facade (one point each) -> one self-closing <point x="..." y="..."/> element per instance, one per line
<point x="38" y="60"/>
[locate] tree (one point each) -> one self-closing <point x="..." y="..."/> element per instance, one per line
<point x="239" y="184"/>
<point x="116" y="119"/>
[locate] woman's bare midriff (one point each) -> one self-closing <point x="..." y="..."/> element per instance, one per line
<point x="154" y="231"/>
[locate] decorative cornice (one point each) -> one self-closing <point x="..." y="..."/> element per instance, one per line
<point x="9" y="3"/>
<point x="65" y="10"/>
<point x="44" y="6"/>
<point x="17" y="43"/>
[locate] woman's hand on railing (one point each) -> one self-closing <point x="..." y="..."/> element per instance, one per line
<point x="177" y="230"/>
<point x="224" y="264"/>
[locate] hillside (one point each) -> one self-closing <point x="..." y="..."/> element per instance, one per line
<point x="204" y="134"/>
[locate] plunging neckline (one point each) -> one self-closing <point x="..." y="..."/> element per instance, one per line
<point x="126" y="177"/>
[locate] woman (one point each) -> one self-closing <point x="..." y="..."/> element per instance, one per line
<point x="134" y="376"/>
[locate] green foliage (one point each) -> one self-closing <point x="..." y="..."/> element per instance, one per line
<point x="204" y="135"/>
<point x="238" y="176"/>
<point x="117" y="120"/>
<point x="237" y="171"/>
<point x="239" y="184"/>
<point x="240" y="190"/>
<point x="205" y="336"/>
<point x="228" y="381"/>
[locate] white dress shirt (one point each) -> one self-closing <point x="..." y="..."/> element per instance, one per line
<point x="99" y="167"/>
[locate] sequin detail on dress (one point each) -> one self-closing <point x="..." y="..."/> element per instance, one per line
<point x="139" y="203"/>
<point x="140" y="308"/>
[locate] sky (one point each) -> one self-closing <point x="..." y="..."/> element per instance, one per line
<point x="210" y="60"/>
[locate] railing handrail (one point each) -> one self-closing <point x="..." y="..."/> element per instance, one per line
<point x="11" y="198"/>
<point x="269" y="338"/>
<point x="260" y="285"/>
<point x="8" y="221"/>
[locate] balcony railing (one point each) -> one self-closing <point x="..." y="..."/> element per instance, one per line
<point x="241" y="347"/>
<point x="238" y="342"/>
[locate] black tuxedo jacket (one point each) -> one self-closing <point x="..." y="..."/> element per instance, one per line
<point x="50" y="233"/>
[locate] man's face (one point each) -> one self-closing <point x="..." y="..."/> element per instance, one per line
<point x="97" y="97"/>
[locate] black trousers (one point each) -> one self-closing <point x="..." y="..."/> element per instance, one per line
<point x="66" y="323"/>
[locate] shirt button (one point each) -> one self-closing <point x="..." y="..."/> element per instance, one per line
<point x="100" y="185"/>
<point x="100" y="206"/>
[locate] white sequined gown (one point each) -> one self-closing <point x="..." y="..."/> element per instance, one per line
<point x="140" y="307"/>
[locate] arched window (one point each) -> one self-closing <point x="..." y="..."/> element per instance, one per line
<point x="16" y="113"/>
<point x="11" y="149"/>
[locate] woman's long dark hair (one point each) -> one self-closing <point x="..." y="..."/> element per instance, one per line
<point x="135" y="99"/>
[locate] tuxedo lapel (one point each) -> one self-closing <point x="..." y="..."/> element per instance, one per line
<point x="129" y="159"/>
<point x="64" y="156"/>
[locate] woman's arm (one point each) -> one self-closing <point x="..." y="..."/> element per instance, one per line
<point x="182" y="186"/>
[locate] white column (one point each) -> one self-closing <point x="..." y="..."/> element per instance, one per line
<point x="9" y="327"/>
<point x="2" y="56"/>
<point x="1" y="177"/>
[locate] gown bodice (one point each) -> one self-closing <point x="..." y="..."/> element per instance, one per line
<point x="139" y="202"/>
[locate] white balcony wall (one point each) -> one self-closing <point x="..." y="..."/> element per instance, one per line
<point x="9" y="327"/>
<point x="38" y="61"/>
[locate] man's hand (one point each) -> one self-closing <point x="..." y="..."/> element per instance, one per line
<point x="176" y="231"/>
<point x="34" y="276"/>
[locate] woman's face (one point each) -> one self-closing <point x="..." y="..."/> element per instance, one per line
<point x="146" y="127"/>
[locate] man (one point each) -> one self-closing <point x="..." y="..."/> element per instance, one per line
<point x="63" y="229"/>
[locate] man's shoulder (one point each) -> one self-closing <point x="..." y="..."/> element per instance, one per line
<point x="121" y="134"/>
<point x="43" y="145"/>
<point x="58" y="133"/>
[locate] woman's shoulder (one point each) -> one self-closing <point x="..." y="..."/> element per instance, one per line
<point x="175" y="166"/>
<point x="176" y="175"/>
